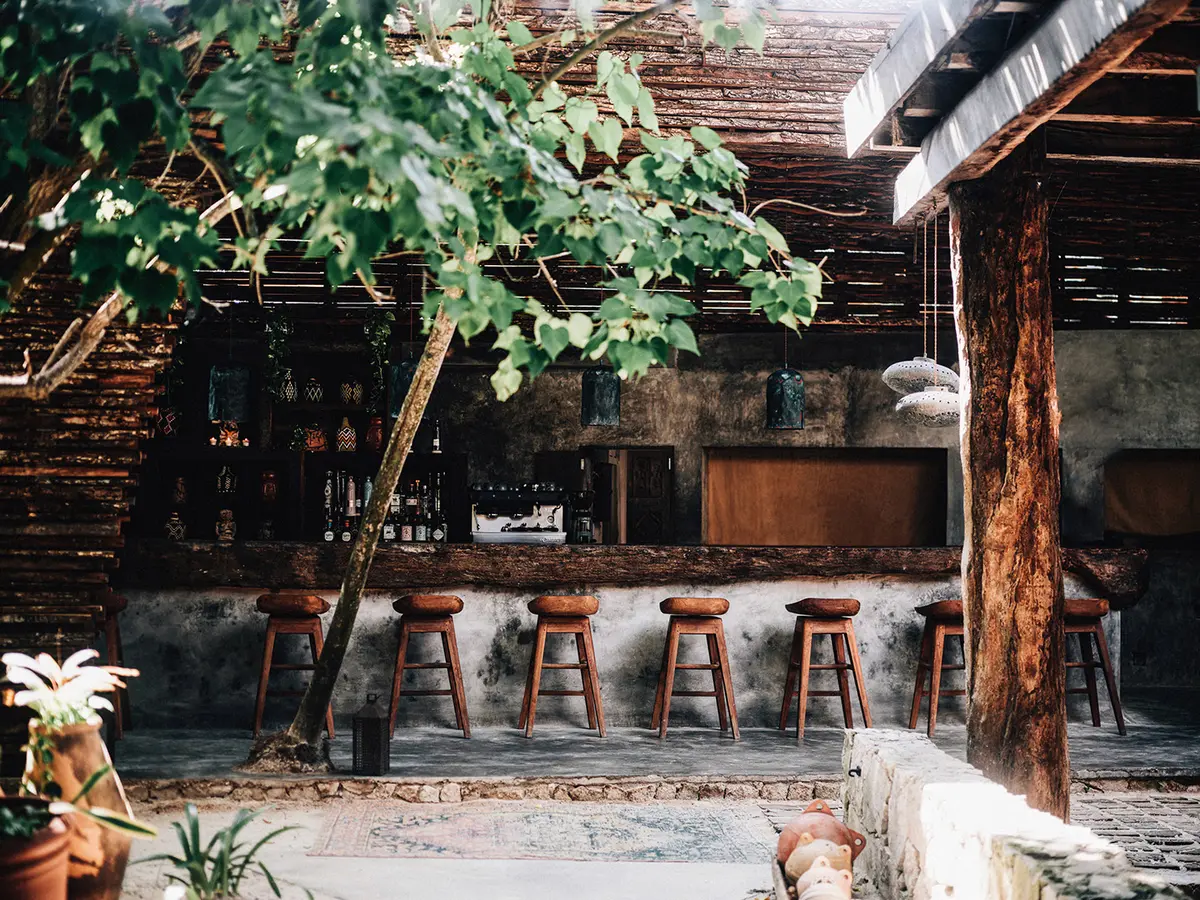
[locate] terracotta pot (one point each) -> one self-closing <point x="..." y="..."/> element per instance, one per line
<point x="818" y="821"/>
<point x="98" y="854"/>
<point x="35" y="869"/>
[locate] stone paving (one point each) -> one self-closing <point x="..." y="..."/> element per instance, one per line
<point x="1157" y="831"/>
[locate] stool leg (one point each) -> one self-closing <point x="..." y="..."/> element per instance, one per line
<point x="268" y="650"/>
<point x="714" y="659"/>
<point x="528" y="687"/>
<point x="1089" y="675"/>
<point x="594" y="675"/>
<point x="802" y="697"/>
<point x="450" y="643"/>
<point x="935" y="676"/>
<point x="535" y="676"/>
<point x="398" y="676"/>
<point x="926" y="653"/>
<point x="859" y="678"/>
<point x="839" y="657"/>
<point x="1109" y="679"/>
<point x="581" y="652"/>
<point x="669" y="676"/>
<point x="444" y="635"/>
<point x="727" y="680"/>
<point x="789" y="685"/>
<point x="316" y="643"/>
<point x="112" y="647"/>
<point x="656" y="718"/>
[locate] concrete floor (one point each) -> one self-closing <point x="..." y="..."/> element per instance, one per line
<point x="447" y="879"/>
<point x="1163" y="740"/>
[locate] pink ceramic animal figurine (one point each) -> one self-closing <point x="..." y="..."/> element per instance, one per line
<point x="823" y="882"/>
<point x="819" y="821"/>
<point x="809" y="849"/>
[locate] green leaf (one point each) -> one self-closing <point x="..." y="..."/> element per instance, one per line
<point x="706" y="137"/>
<point x="579" y="329"/>
<point x="606" y="135"/>
<point x="680" y="335"/>
<point x="771" y="233"/>
<point x="580" y="113"/>
<point x="519" y="33"/>
<point x="576" y="151"/>
<point x="606" y="65"/>
<point x="754" y="30"/>
<point x="553" y="339"/>
<point x="645" y="108"/>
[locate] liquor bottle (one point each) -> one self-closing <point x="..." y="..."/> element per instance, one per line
<point x="348" y="524"/>
<point x="328" y="507"/>
<point x="421" y="522"/>
<point x="328" y="534"/>
<point x="368" y="487"/>
<point x="437" y="435"/>
<point x="407" y="521"/>
<point x="393" y="515"/>
<point x="358" y="506"/>
<point x="438" y="531"/>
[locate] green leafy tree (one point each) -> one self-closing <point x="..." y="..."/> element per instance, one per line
<point x="328" y="133"/>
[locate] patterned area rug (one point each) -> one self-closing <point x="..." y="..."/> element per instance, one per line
<point x="661" y="832"/>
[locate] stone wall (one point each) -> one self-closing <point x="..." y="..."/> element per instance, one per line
<point x="937" y="828"/>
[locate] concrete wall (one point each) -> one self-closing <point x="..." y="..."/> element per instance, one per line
<point x="200" y="654"/>
<point x="935" y="827"/>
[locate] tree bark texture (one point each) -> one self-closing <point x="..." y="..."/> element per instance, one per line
<point x="1011" y="564"/>
<point x="310" y="718"/>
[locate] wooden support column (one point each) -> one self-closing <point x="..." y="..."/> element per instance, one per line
<point x="1012" y="566"/>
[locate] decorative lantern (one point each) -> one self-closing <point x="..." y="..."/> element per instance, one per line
<point x="347" y="438"/>
<point x="229" y="394"/>
<point x="401" y="378"/>
<point x="601" y="398"/>
<point x="313" y="392"/>
<point x="228" y="436"/>
<point x="914" y="375"/>
<point x="168" y="421"/>
<point x="371" y="744"/>
<point x="226" y="481"/>
<point x="936" y="408"/>
<point x="352" y="392"/>
<point x="175" y="528"/>
<point x="785" y="399"/>
<point x="287" y="390"/>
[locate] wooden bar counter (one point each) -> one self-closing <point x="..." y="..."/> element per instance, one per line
<point x="1115" y="574"/>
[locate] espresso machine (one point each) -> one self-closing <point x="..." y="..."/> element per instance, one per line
<point x="518" y="514"/>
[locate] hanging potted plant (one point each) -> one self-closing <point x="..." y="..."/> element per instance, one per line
<point x="378" y="329"/>
<point x="66" y="758"/>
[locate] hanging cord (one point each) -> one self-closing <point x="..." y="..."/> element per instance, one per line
<point x="785" y="349"/>
<point x="936" y="374"/>
<point x="925" y="288"/>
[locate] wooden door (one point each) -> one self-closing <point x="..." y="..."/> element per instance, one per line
<point x="648" y="490"/>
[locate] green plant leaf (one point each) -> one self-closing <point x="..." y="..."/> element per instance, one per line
<point x="706" y="137"/>
<point x="771" y="233"/>
<point x="606" y="135"/>
<point x="518" y="32"/>
<point x="645" y="108"/>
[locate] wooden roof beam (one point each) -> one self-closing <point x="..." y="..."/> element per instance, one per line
<point x="1071" y="49"/>
<point x="918" y="46"/>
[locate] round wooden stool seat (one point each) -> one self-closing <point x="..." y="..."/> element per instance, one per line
<point x="825" y="607"/>
<point x="564" y="605"/>
<point x="695" y="606"/>
<point x="1085" y="608"/>
<point x="428" y="605"/>
<point x="942" y="609"/>
<point x="292" y="604"/>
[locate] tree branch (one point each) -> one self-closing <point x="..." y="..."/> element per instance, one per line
<point x="64" y="361"/>
<point x="625" y="25"/>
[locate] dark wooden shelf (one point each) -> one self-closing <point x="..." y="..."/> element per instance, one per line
<point x="318" y="408"/>
<point x="209" y="453"/>
<point x="1113" y="573"/>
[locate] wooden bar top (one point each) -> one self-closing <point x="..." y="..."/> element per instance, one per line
<point x="1115" y="574"/>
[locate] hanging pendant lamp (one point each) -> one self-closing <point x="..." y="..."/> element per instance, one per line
<point x="600" y="399"/>
<point x="785" y="396"/>
<point x="932" y="399"/>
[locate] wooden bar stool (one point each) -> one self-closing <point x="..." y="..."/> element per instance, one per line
<point x="564" y="615"/>
<point x="430" y="614"/>
<point x="114" y="604"/>
<point x="696" y="615"/>
<point x="1085" y="619"/>
<point x="831" y="616"/>
<point x="289" y="612"/>
<point x="942" y="619"/>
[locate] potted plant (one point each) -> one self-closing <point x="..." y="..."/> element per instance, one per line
<point x="66" y="757"/>
<point x="214" y="871"/>
<point x="33" y="850"/>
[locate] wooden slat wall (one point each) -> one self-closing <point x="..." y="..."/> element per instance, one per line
<point x="67" y="471"/>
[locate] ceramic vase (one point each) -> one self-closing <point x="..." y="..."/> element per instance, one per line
<point x="347" y="438"/>
<point x="313" y="392"/>
<point x="175" y="528"/>
<point x="168" y="421"/>
<point x="315" y="440"/>
<point x="352" y="392"/>
<point x="374" y="436"/>
<point x="35" y="868"/>
<point x="226" y="528"/>
<point x="287" y="390"/>
<point x="97" y="854"/>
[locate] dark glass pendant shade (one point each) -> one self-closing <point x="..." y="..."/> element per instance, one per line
<point x="785" y="399"/>
<point x="601" y="400"/>
<point x="401" y="376"/>
<point x="229" y="394"/>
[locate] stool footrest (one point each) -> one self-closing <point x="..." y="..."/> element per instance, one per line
<point x="578" y="665"/>
<point x="1094" y="664"/>
<point x="426" y="693"/>
<point x="542" y="693"/>
<point x="821" y="694"/>
<point x="693" y="693"/>
<point x="944" y="693"/>
<point x="814" y="667"/>
<point x="946" y="667"/>
<point x="440" y="665"/>
<point x="697" y="666"/>
<point x="292" y="667"/>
